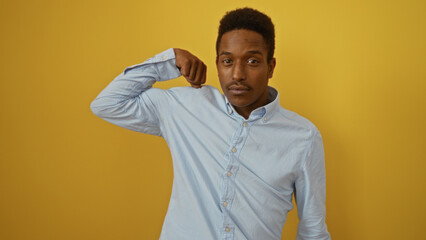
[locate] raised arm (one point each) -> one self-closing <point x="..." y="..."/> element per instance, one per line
<point x="310" y="194"/>
<point x="130" y="101"/>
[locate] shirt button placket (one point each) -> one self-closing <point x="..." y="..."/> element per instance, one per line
<point x="228" y="178"/>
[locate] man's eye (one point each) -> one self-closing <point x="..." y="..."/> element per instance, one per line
<point x="227" y="61"/>
<point x="252" y="61"/>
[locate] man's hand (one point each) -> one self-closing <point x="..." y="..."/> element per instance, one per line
<point x="191" y="68"/>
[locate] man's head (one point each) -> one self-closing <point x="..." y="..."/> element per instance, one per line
<point x="249" y="19"/>
<point x="245" y="48"/>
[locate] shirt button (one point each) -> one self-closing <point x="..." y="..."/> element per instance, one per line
<point x="244" y="124"/>
<point x="234" y="150"/>
<point x="264" y="118"/>
<point x="225" y="204"/>
<point x="227" y="229"/>
<point x="228" y="174"/>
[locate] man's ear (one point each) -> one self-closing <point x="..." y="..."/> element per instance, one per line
<point x="271" y="67"/>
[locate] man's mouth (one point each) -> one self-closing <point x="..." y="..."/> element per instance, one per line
<point x="238" y="89"/>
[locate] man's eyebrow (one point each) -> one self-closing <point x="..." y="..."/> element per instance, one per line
<point x="255" y="52"/>
<point x="251" y="51"/>
<point x="224" y="53"/>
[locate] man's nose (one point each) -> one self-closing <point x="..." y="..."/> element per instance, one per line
<point x="238" y="72"/>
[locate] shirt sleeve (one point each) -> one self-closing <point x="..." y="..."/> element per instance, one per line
<point x="129" y="101"/>
<point x="310" y="194"/>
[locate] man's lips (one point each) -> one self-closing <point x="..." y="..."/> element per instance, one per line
<point x="238" y="89"/>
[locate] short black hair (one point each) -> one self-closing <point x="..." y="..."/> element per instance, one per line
<point x="249" y="19"/>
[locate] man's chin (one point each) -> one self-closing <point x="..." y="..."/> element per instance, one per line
<point x="238" y="103"/>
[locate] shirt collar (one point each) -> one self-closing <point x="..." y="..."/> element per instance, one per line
<point x="264" y="112"/>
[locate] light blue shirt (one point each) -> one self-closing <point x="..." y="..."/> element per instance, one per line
<point x="234" y="178"/>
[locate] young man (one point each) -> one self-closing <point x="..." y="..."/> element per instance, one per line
<point x="238" y="157"/>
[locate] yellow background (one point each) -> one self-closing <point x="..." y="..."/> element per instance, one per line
<point x="354" y="68"/>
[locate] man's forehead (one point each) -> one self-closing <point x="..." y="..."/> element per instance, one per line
<point x="244" y="35"/>
<point x="251" y="52"/>
<point x="242" y="41"/>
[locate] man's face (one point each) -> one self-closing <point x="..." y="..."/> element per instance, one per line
<point x="244" y="70"/>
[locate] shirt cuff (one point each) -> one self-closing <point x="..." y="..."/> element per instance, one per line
<point x="165" y="64"/>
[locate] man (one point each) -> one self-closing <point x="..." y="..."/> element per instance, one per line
<point x="238" y="157"/>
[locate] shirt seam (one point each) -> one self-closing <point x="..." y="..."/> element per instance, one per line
<point x="308" y="151"/>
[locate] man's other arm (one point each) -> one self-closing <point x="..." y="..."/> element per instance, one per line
<point x="310" y="194"/>
<point x="130" y="101"/>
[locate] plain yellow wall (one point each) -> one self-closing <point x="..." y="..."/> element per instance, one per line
<point x="354" y="68"/>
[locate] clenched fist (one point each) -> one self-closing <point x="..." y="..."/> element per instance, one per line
<point x="191" y="67"/>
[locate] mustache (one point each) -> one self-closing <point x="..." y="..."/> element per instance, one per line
<point x="235" y="84"/>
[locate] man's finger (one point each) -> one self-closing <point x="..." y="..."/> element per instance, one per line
<point x="200" y="71"/>
<point x="194" y="69"/>
<point x="203" y="80"/>
<point x="185" y="69"/>
<point x="195" y="85"/>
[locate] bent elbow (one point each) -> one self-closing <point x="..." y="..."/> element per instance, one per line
<point x="97" y="108"/>
<point x="105" y="107"/>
